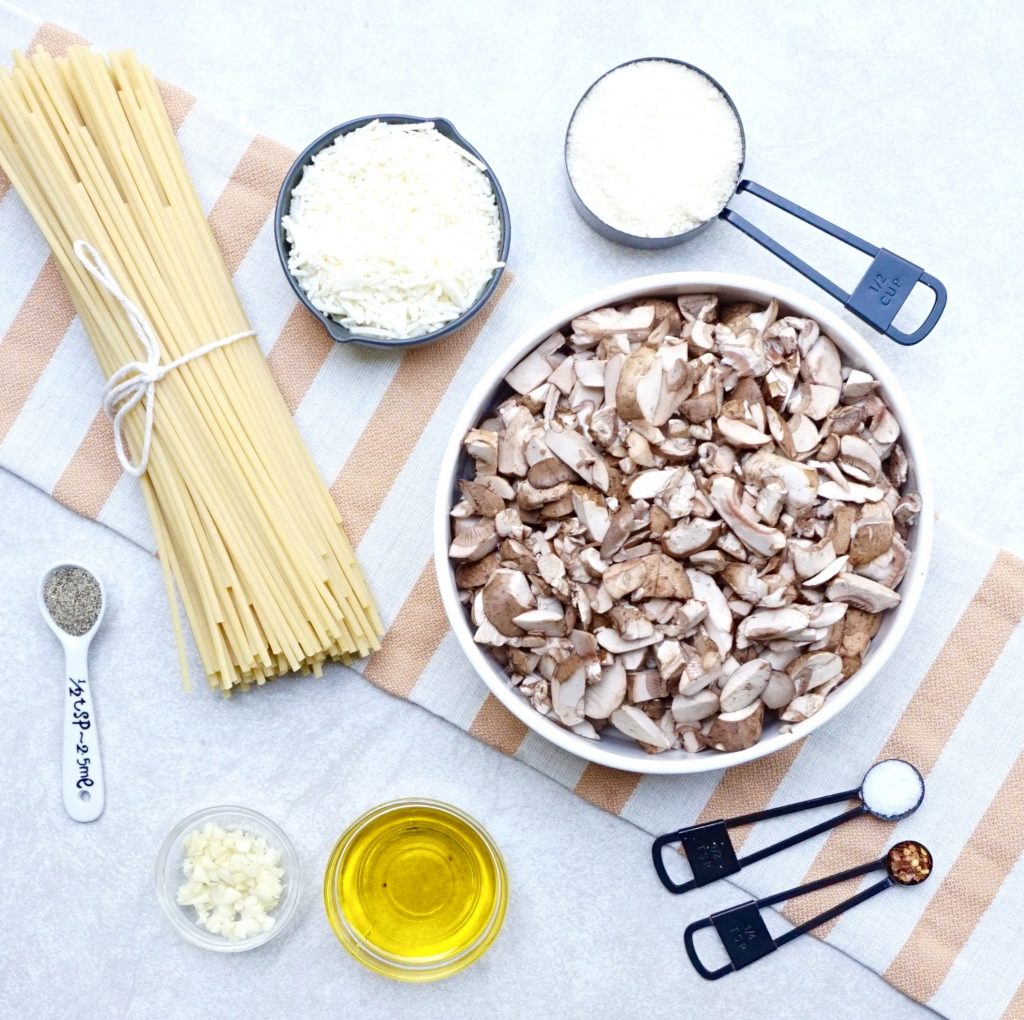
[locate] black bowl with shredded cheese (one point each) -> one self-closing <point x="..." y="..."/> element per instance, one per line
<point x="348" y="300"/>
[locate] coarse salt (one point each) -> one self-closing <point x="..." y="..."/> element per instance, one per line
<point x="892" y="788"/>
<point x="654" y="149"/>
<point x="394" y="230"/>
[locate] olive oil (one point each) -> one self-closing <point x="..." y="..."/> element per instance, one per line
<point x="416" y="890"/>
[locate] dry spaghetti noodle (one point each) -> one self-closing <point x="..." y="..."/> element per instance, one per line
<point x="246" y="529"/>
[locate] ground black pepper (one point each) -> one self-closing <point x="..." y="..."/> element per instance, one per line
<point x="73" y="598"/>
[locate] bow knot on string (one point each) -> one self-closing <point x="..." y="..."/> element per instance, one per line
<point x="135" y="381"/>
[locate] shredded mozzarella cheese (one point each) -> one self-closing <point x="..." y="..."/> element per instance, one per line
<point x="654" y="150"/>
<point x="233" y="881"/>
<point x="394" y="230"/>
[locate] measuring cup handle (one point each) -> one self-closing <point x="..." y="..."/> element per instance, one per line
<point x="883" y="289"/>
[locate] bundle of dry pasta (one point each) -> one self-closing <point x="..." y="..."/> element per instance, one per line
<point x="244" y="524"/>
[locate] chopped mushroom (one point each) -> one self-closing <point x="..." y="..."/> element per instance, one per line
<point x="688" y="519"/>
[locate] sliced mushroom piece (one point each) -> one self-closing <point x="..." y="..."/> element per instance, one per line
<point x="858" y="384"/>
<point x="769" y="624"/>
<point x="579" y="454"/>
<point x="814" y="669"/>
<point x="671" y="659"/>
<point x="636" y="724"/>
<point x="568" y="689"/>
<point x="858" y="630"/>
<point x="719" y="620"/>
<point x="801" y="482"/>
<point x="779" y="691"/>
<point x="890" y="567"/>
<point x="530" y="498"/>
<point x="648" y="484"/>
<point x="664" y="579"/>
<point x="620" y="579"/>
<point x="690" y="613"/>
<point x="506" y="595"/>
<point x="640" y="385"/>
<point x="678" y="497"/>
<point x="639" y="449"/>
<point x="634" y="323"/>
<point x="605" y="695"/>
<point x="871" y="534"/>
<point x="863" y="593"/>
<point x="814" y="400"/>
<point x="549" y="472"/>
<point x="732" y="546"/>
<point x="619" y="529"/>
<point x="735" y="731"/>
<point x="701" y="672"/>
<point x="475" y="542"/>
<point x="542" y="621"/>
<point x="801" y="708"/>
<point x="536" y="366"/>
<point x="745" y="685"/>
<point x="744" y="580"/>
<point x="690" y="536"/>
<point x="857" y="457"/>
<point x="907" y="509"/>
<point x="592" y="512"/>
<point x="695" y="707"/>
<point x="726" y="497"/>
<point x="803" y="435"/>
<point x="837" y="566"/>
<point x="631" y="623"/>
<point x="770" y="501"/>
<point x="884" y="429"/>
<point x="610" y="640"/>
<point x="551" y="568"/>
<point x="590" y="371"/>
<point x="512" y="442"/>
<point x="852" y="492"/>
<point x="810" y="558"/>
<point x="647" y="685"/>
<point x="741" y="435"/>
<point x="823" y="365"/>
<point x="482" y="446"/>
<point x="564" y="376"/>
<point x="843" y="519"/>
<point x="700" y="408"/>
<point x="474" y="574"/>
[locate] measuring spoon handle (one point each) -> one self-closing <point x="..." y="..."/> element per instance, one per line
<point x="882" y="290"/>
<point x="81" y="770"/>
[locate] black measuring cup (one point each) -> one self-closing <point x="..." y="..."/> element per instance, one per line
<point x="877" y="298"/>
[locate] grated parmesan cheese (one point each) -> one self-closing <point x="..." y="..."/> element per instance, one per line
<point x="394" y="230"/>
<point x="654" y="150"/>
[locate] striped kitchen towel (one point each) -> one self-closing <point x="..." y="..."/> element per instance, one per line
<point x="949" y="703"/>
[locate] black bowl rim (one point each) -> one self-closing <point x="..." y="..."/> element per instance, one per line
<point x="605" y="229"/>
<point x="291" y="178"/>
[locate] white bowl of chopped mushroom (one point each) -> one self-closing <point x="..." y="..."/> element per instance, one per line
<point x="683" y="522"/>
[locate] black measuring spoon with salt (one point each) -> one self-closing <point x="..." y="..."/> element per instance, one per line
<point x="890" y="791"/>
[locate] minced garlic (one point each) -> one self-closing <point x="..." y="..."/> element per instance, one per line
<point x="233" y="881"/>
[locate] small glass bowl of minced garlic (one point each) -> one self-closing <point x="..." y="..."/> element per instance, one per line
<point x="227" y="878"/>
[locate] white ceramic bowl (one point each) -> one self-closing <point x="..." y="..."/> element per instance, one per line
<point x="614" y="749"/>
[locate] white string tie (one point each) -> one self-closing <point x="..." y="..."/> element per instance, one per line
<point x="135" y="382"/>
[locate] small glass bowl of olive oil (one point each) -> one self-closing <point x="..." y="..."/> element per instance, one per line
<point x="416" y="890"/>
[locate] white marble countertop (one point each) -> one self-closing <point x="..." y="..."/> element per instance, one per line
<point x="866" y="117"/>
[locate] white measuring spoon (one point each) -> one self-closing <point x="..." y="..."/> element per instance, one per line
<point x="81" y="770"/>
